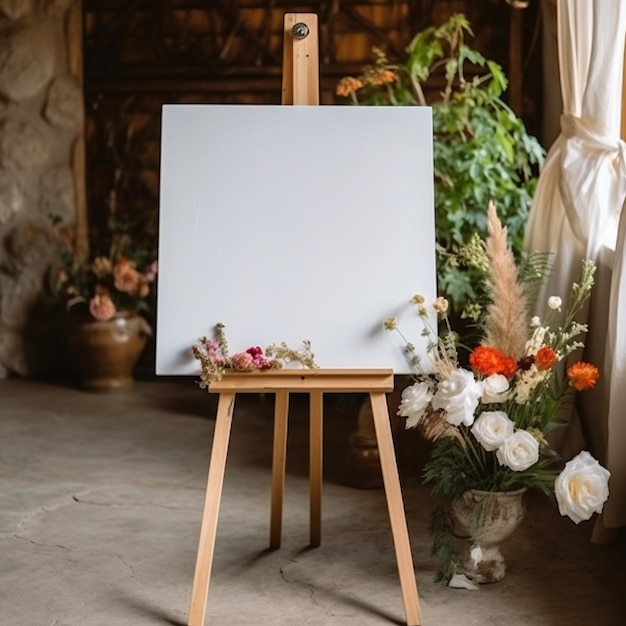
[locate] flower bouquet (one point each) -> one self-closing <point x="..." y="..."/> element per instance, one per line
<point x="489" y="420"/>
<point x="115" y="279"/>
<point x="107" y="294"/>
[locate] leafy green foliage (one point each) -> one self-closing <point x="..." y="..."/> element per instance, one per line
<point x="443" y="547"/>
<point x="481" y="149"/>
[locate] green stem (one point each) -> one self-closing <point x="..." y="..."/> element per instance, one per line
<point x="478" y="464"/>
<point x="418" y="91"/>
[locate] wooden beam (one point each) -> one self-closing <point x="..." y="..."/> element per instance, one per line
<point x="516" y="71"/>
<point x="74" y="35"/>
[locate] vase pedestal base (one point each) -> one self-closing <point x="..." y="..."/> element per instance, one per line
<point x="484" y="565"/>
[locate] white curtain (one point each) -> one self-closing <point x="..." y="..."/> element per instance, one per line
<point x="575" y="215"/>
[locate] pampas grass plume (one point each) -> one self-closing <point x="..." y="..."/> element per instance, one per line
<point x="506" y="319"/>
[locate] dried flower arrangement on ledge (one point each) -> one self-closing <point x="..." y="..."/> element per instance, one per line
<point x="215" y="360"/>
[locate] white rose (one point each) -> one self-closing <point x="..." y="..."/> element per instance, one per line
<point x="491" y="428"/>
<point x="518" y="451"/>
<point x="458" y="396"/>
<point x="495" y="388"/>
<point x="415" y="400"/>
<point x="582" y="488"/>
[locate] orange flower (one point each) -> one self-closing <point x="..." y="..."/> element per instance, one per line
<point x="348" y="85"/>
<point x="509" y="366"/>
<point x="583" y="375"/>
<point x="487" y="361"/>
<point x="545" y="358"/>
<point x="383" y="77"/>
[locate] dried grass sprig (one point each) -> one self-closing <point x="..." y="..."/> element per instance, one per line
<point x="506" y="319"/>
<point x="443" y="365"/>
<point x="282" y="352"/>
<point x="434" y="425"/>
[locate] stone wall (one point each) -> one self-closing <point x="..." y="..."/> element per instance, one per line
<point x="41" y="118"/>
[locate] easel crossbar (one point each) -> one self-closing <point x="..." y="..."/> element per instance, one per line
<point x="328" y="380"/>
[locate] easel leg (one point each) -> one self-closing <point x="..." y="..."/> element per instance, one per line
<point x="395" y="505"/>
<point x="279" y="455"/>
<point x="316" y="425"/>
<point x="208" y="528"/>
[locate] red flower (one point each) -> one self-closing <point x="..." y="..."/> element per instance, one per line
<point x="583" y="375"/>
<point x="258" y="358"/>
<point x="487" y="361"/>
<point x="545" y="358"/>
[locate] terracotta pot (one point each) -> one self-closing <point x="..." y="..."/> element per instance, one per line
<point x="107" y="352"/>
<point x="486" y="518"/>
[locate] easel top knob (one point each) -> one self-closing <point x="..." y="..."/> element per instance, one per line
<point x="299" y="30"/>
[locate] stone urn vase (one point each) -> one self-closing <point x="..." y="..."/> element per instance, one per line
<point x="486" y="519"/>
<point x="106" y="352"/>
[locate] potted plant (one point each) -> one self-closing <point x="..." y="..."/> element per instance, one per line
<point x="482" y="151"/>
<point x="108" y="294"/>
<point x="489" y="421"/>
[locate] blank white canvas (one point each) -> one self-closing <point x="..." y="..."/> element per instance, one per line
<point x="288" y="223"/>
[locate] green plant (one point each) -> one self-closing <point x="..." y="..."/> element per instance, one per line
<point x="482" y="151"/>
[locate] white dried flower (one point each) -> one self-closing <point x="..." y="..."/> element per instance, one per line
<point x="528" y="382"/>
<point x="537" y="339"/>
<point x="554" y="302"/>
<point x="391" y="323"/>
<point x="440" y="305"/>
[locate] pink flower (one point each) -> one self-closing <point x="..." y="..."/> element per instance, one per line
<point x="258" y="358"/>
<point x="102" y="307"/>
<point x="242" y="361"/>
<point x="149" y="276"/>
<point x="214" y="352"/>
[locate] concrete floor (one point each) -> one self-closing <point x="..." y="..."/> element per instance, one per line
<point x="100" y="503"/>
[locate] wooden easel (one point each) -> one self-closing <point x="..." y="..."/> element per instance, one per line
<point x="301" y="87"/>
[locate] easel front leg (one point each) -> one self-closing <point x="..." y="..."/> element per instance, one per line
<point x="279" y="455"/>
<point x="316" y="427"/>
<point x="395" y="505"/>
<point x="208" y="528"/>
